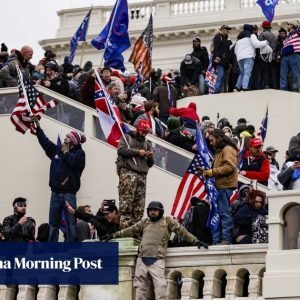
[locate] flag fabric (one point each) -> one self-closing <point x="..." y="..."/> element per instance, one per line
<point x="79" y="36"/>
<point x="21" y="115"/>
<point x="137" y="80"/>
<point x="63" y="225"/>
<point x="58" y="145"/>
<point x="211" y="77"/>
<point x="262" y="132"/>
<point x="268" y="8"/>
<point x="142" y="50"/>
<point x="213" y="221"/>
<point x="191" y="185"/>
<point x="170" y="94"/>
<point x="108" y="114"/>
<point x="114" y="37"/>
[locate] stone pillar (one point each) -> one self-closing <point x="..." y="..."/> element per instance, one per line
<point x="8" y="292"/>
<point x="211" y="287"/>
<point x="162" y="9"/>
<point x="26" y="292"/>
<point x="67" y="292"/>
<point x="172" y="289"/>
<point x="254" y="288"/>
<point x="186" y="288"/>
<point x="47" y="292"/>
<point x="194" y="289"/>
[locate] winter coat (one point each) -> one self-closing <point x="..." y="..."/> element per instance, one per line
<point x="285" y="176"/>
<point x="180" y="140"/>
<point x="245" y="47"/>
<point x="190" y="72"/>
<point x="65" y="169"/>
<point x="268" y="35"/>
<point x="294" y="147"/>
<point x="126" y="154"/>
<point x="225" y="168"/>
<point x="159" y="129"/>
<point x="221" y="49"/>
<point x="202" y="54"/>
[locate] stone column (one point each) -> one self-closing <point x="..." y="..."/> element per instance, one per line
<point x="172" y="289"/>
<point x="67" y="292"/>
<point x="8" y="292"/>
<point x="210" y="289"/>
<point x="162" y="9"/>
<point x="26" y="292"/>
<point x="186" y="288"/>
<point x="232" y="4"/>
<point x="254" y="288"/>
<point x="47" y="292"/>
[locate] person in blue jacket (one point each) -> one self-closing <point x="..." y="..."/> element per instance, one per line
<point x="67" y="164"/>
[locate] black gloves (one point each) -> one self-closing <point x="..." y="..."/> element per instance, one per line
<point x="107" y="237"/>
<point x="200" y="244"/>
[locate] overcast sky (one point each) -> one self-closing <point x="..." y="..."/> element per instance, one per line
<point x="25" y="22"/>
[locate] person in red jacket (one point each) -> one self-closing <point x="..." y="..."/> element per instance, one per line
<point x="255" y="164"/>
<point x="188" y="116"/>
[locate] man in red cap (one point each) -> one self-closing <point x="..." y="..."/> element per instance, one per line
<point x="135" y="157"/>
<point x="255" y="164"/>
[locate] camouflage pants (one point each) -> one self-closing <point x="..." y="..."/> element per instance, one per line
<point x="132" y="194"/>
<point x="146" y="277"/>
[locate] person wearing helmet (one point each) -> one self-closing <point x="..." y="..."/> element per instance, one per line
<point x="155" y="231"/>
<point x="135" y="157"/>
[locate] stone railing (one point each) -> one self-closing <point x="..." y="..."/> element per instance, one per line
<point x="219" y="272"/>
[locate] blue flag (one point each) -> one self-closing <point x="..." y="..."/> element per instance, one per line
<point x="114" y="37"/>
<point x="79" y="36"/>
<point x="262" y="132"/>
<point x="213" y="221"/>
<point x="268" y="8"/>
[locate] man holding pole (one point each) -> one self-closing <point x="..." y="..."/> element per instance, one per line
<point x="135" y="157"/>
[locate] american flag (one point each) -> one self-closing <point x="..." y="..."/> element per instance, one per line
<point x="108" y="114"/>
<point x="21" y="115"/>
<point x="137" y="79"/>
<point x="262" y="132"/>
<point x="191" y="185"/>
<point x="142" y="50"/>
<point x="211" y="77"/>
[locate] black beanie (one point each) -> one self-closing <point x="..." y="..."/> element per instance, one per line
<point x="248" y="27"/>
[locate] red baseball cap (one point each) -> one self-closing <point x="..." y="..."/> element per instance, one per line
<point x="255" y="142"/>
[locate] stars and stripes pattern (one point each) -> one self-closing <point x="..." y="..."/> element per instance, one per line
<point x="211" y="78"/>
<point x="137" y="80"/>
<point x="36" y="106"/>
<point x="108" y="114"/>
<point x="191" y="185"/>
<point x="262" y="132"/>
<point x="142" y="50"/>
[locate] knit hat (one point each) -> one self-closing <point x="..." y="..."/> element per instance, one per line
<point x="138" y="100"/>
<point x="188" y="59"/>
<point x="173" y="123"/>
<point x="76" y="137"/>
<point x="266" y="25"/>
<point x="87" y="66"/>
<point x="248" y="27"/>
<point x="196" y="39"/>
<point x="143" y="126"/>
<point x="295" y="23"/>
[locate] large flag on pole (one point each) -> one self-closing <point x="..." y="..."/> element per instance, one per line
<point x="30" y="103"/>
<point x="142" y="50"/>
<point x="79" y="36"/>
<point x="114" y="38"/>
<point x="262" y="132"/>
<point x="108" y="114"/>
<point x="268" y="8"/>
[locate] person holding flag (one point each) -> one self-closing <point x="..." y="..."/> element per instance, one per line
<point x="224" y="170"/>
<point x="67" y="165"/>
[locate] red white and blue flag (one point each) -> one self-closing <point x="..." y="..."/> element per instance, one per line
<point x="30" y="103"/>
<point x="108" y="114"/>
<point x="211" y="78"/>
<point x="262" y="132"/>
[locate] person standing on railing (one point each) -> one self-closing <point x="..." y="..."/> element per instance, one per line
<point x="135" y="158"/>
<point x="67" y="165"/>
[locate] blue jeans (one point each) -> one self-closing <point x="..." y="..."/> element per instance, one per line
<point x="290" y="63"/>
<point x="224" y="232"/>
<point x="245" y="66"/>
<point x="57" y="205"/>
<point x="220" y="79"/>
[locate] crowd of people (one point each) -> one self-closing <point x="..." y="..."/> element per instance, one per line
<point x="256" y="61"/>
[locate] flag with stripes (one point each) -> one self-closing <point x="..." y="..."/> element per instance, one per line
<point x="108" y="114"/>
<point x="137" y="80"/>
<point x="262" y="132"/>
<point x="191" y="185"/>
<point x="142" y="50"/>
<point x="30" y="103"/>
<point x="211" y="78"/>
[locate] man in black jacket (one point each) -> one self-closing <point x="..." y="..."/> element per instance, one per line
<point x="67" y="165"/>
<point x="18" y="227"/>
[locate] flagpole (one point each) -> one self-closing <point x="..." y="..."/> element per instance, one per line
<point x="82" y="52"/>
<point x="23" y="88"/>
<point x="113" y="111"/>
<point x="109" y="32"/>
